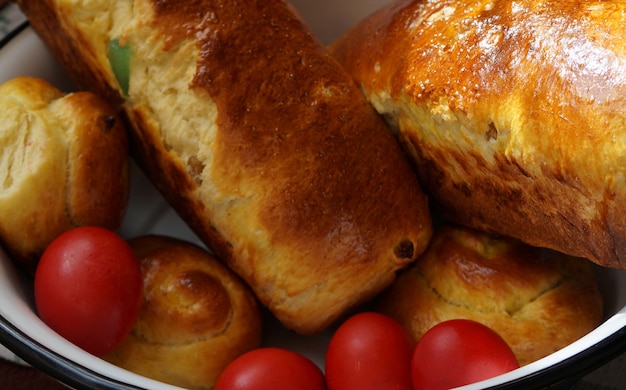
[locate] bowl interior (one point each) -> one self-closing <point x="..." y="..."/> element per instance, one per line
<point x="30" y="338"/>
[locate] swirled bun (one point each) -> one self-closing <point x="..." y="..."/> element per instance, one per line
<point x="514" y="112"/>
<point x="63" y="163"/>
<point x="197" y="316"/>
<point x="538" y="300"/>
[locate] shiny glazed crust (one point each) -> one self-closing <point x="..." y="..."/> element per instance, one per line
<point x="259" y="140"/>
<point x="514" y="112"/>
<point x="197" y="316"/>
<point x="64" y="163"/>
<point x="538" y="300"/>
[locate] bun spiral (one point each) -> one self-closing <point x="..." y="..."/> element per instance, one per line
<point x="197" y="316"/>
<point x="538" y="300"/>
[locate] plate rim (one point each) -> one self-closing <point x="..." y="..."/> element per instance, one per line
<point x="54" y="364"/>
<point x="13" y="33"/>
<point x="568" y="371"/>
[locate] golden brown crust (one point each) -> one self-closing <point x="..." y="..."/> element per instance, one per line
<point x="64" y="164"/>
<point x="197" y="316"/>
<point x="514" y="112"/>
<point x="260" y="141"/>
<point x="538" y="300"/>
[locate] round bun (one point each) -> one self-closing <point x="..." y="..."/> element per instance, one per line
<point x="538" y="300"/>
<point x="197" y="316"/>
<point x="64" y="164"/>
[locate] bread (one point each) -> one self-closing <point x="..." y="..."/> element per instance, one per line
<point x="538" y="300"/>
<point x="64" y="163"/>
<point x="196" y="317"/>
<point x="260" y="141"/>
<point x="514" y="113"/>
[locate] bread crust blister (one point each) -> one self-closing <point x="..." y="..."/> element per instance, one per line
<point x="514" y="112"/>
<point x="259" y="140"/>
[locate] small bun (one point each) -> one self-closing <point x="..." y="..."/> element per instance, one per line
<point x="197" y="316"/>
<point x="64" y="163"/>
<point x="538" y="300"/>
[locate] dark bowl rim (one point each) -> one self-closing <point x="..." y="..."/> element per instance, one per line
<point x="73" y="374"/>
<point x="52" y="363"/>
<point x="13" y="33"/>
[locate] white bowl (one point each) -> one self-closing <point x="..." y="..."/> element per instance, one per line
<point x="22" y="53"/>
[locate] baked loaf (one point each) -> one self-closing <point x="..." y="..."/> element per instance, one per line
<point x="513" y="112"/>
<point x="64" y="163"/>
<point x="197" y="316"/>
<point x="538" y="300"/>
<point x="258" y="138"/>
